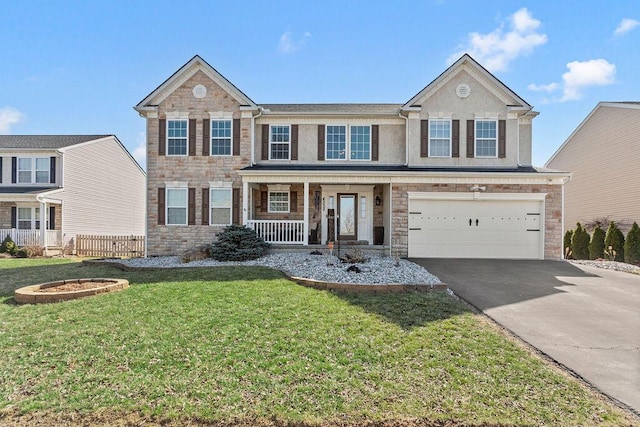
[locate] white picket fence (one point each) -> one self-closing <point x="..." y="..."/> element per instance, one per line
<point x="275" y="231"/>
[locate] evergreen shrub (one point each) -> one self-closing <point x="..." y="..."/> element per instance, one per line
<point x="238" y="243"/>
<point x="614" y="243"/>
<point x="632" y="245"/>
<point x="580" y="243"/>
<point x="596" y="245"/>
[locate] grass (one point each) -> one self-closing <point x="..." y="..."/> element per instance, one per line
<point x="215" y="344"/>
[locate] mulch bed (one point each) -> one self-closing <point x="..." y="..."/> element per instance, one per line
<point x="74" y="287"/>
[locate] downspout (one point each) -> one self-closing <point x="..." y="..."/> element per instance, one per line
<point x="406" y="138"/>
<point x="253" y="135"/>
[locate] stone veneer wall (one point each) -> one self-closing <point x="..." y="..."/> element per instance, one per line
<point x="552" y="206"/>
<point x="5" y="216"/>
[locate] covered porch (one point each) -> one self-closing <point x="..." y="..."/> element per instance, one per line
<point x="303" y="209"/>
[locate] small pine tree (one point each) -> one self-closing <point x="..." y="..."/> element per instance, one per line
<point x="614" y="242"/>
<point x="238" y="243"/>
<point x="632" y="245"/>
<point x="567" y="244"/>
<point x="596" y="245"/>
<point x="8" y="246"/>
<point x="580" y="243"/>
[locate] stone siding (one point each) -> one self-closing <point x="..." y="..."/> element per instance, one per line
<point x="552" y="206"/>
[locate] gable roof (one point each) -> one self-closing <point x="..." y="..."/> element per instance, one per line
<point x="453" y="69"/>
<point x="616" y="104"/>
<point x="183" y="74"/>
<point x="45" y="142"/>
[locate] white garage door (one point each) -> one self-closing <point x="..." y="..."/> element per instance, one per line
<point x="475" y="229"/>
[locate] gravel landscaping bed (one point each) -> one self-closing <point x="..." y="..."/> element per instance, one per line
<point x="377" y="270"/>
<point x="609" y="265"/>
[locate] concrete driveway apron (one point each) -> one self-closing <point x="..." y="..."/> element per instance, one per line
<point x="586" y="318"/>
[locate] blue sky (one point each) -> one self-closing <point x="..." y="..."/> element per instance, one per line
<point x="78" y="67"/>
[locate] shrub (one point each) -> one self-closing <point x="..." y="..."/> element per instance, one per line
<point x="22" y="253"/>
<point x="34" y="250"/>
<point x="632" y="245"/>
<point x="238" y="243"/>
<point x="614" y="243"/>
<point x="8" y="246"/>
<point x="354" y="256"/>
<point x="580" y="243"/>
<point x="567" y="244"/>
<point x="596" y="245"/>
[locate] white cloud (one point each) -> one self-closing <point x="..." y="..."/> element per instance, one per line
<point x="626" y="25"/>
<point x="9" y="116"/>
<point x="140" y="152"/>
<point x="288" y="45"/>
<point x="551" y="87"/>
<point x="498" y="48"/>
<point x="595" y="72"/>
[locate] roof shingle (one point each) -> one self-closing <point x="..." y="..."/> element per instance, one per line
<point x="47" y="142"/>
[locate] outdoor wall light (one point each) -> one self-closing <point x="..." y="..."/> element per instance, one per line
<point x="378" y="200"/>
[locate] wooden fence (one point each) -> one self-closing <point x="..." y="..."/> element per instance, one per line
<point x="110" y="246"/>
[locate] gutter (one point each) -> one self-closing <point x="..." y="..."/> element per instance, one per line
<point x="253" y="135"/>
<point x="406" y="138"/>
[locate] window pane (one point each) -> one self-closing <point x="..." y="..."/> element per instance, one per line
<point x="220" y="197"/>
<point x="440" y="138"/>
<point x="220" y="137"/>
<point x="177" y="137"/>
<point x="360" y="142"/>
<point x="279" y="142"/>
<point x="25" y="170"/>
<point x="336" y="142"/>
<point x="278" y="201"/>
<point x="176" y="216"/>
<point x="177" y="197"/>
<point x="486" y="138"/>
<point x="220" y="216"/>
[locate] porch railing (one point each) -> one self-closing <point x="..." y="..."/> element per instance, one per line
<point x="273" y="231"/>
<point x="31" y="237"/>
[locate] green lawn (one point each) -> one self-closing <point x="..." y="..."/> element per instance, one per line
<point x="244" y="343"/>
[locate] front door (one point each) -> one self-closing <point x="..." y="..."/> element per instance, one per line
<point x="347" y="217"/>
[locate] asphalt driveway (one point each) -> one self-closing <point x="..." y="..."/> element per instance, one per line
<point x="586" y="318"/>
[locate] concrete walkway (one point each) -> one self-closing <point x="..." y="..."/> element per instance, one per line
<point x="586" y="318"/>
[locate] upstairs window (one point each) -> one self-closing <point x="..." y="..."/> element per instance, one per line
<point x="220" y="200"/>
<point x="486" y="138"/>
<point x="177" y="137"/>
<point x="360" y="147"/>
<point x="439" y="138"/>
<point x="279" y="143"/>
<point x="176" y="206"/>
<point x="221" y="137"/>
<point x="336" y="143"/>
<point x="33" y="170"/>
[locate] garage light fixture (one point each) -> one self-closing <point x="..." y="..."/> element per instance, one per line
<point x="476" y="188"/>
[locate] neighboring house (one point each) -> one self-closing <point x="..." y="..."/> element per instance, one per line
<point x="446" y="174"/>
<point x="603" y="156"/>
<point x="68" y="185"/>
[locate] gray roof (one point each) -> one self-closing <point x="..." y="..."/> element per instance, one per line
<point x="362" y="109"/>
<point x="387" y="168"/>
<point x="24" y="190"/>
<point x="48" y="142"/>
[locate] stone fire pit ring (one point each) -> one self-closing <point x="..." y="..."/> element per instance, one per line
<point x="43" y="293"/>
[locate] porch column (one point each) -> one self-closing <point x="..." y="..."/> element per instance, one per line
<point x="43" y="224"/>
<point x="245" y="202"/>
<point x="391" y="219"/>
<point x="306" y="214"/>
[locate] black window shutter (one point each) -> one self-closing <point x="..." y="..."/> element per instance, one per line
<point x="374" y="142"/>
<point x="502" y="139"/>
<point x="321" y="142"/>
<point x="424" y="138"/>
<point x="52" y="171"/>
<point x="294" y="142"/>
<point x="1" y="162"/>
<point x="264" y="200"/>
<point x="161" y="206"/>
<point x="52" y="217"/>
<point x="14" y="170"/>
<point x="205" y="206"/>
<point x="293" y="203"/>
<point x="206" y="136"/>
<point x="470" y="138"/>
<point x="265" y="142"/>
<point x="236" y="206"/>
<point x="455" y="138"/>
<point x="162" y="137"/>
<point x="192" y="137"/>
<point x="14" y="217"/>
<point x="236" y="137"/>
<point x="191" y="208"/>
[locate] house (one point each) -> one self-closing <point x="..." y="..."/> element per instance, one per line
<point x="603" y="155"/>
<point x="68" y="185"/>
<point x="446" y="174"/>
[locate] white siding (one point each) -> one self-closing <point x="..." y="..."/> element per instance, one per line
<point x="604" y="157"/>
<point x="103" y="190"/>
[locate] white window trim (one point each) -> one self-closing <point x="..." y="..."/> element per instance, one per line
<point x="450" y="137"/>
<point x="186" y="151"/>
<point x="33" y="170"/>
<point x="186" y="206"/>
<point x="272" y="142"/>
<point x="216" y="119"/>
<point x="211" y="206"/>
<point x="271" y="191"/>
<point x="347" y="154"/>
<point x="475" y="137"/>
